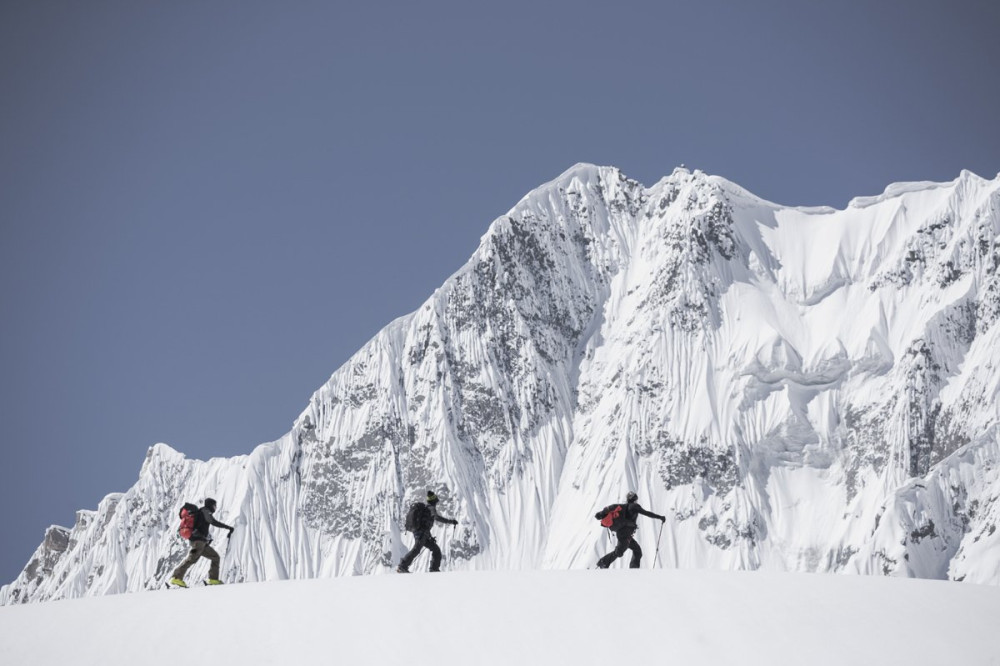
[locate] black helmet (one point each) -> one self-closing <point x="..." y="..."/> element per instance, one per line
<point x="631" y="497"/>
<point x="431" y="497"/>
<point x="210" y="504"/>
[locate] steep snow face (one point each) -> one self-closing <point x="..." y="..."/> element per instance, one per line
<point x="798" y="389"/>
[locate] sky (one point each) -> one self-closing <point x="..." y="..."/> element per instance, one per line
<point x="207" y="207"/>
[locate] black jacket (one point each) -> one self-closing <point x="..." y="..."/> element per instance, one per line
<point x="431" y="517"/>
<point x="202" y="520"/>
<point x="632" y="511"/>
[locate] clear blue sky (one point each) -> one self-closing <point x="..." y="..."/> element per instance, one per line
<point x="207" y="207"/>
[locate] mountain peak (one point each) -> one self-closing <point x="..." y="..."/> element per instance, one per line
<point x="793" y="389"/>
<point x="897" y="190"/>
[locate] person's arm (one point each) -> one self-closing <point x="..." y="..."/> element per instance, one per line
<point x="651" y="514"/>
<point x="217" y="523"/>
<point x="446" y="521"/>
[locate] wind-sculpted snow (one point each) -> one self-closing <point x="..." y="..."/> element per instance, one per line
<point x="799" y="389"/>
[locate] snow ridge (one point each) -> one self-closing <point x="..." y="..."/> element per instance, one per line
<point x="707" y="618"/>
<point x="798" y="389"/>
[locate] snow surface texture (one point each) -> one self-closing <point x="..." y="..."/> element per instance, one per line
<point x="526" y="617"/>
<point x="797" y="389"/>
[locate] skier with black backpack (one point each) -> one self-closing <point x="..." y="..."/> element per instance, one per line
<point x="195" y="525"/>
<point x="621" y="519"/>
<point x="419" y="520"/>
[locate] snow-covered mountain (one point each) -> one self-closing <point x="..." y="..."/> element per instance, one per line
<point x="798" y="389"/>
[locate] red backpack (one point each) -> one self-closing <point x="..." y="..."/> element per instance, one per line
<point x="187" y="513"/>
<point x="611" y="516"/>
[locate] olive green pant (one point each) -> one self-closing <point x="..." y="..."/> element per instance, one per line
<point x="199" y="549"/>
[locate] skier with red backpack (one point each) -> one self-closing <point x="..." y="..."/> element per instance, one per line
<point x="419" y="520"/>
<point x="621" y="519"/>
<point x="195" y="525"/>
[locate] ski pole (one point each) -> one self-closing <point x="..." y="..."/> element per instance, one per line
<point x="655" y="559"/>
<point x="449" y="534"/>
<point x="229" y="544"/>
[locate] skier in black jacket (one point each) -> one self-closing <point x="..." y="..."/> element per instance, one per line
<point x="200" y="547"/>
<point x="624" y="530"/>
<point x="422" y="537"/>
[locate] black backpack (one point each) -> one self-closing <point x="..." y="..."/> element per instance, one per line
<point x="418" y="518"/>
<point x="612" y="516"/>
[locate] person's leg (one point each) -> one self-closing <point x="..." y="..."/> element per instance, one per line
<point x="636" y="554"/>
<point x="623" y="539"/>
<point x="432" y="545"/>
<point x="213" y="557"/>
<point x="193" y="555"/>
<point x="418" y="544"/>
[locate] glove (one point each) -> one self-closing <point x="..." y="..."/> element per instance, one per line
<point x="230" y="535"/>
<point x="663" y="519"/>
<point x="454" y="522"/>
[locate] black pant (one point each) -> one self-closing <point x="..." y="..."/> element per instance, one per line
<point x="625" y="542"/>
<point x="423" y="540"/>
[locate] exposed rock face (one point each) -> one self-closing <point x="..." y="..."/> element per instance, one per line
<point x="797" y="389"/>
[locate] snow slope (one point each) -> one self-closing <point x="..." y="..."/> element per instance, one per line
<point x="797" y="389"/>
<point x="528" y="617"/>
